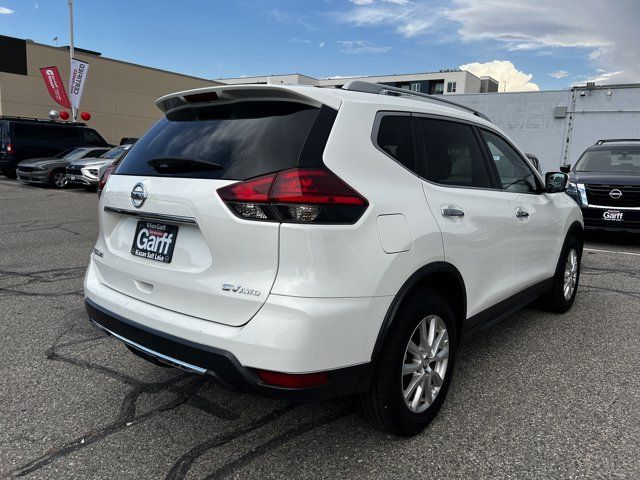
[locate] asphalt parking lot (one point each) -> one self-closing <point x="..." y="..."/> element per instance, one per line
<point x="538" y="395"/>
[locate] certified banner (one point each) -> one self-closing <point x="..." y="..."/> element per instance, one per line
<point x="79" y="70"/>
<point x="52" y="80"/>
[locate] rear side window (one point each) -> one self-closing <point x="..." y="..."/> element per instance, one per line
<point x="515" y="174"/>
<point x="396" y="140"/>
<point x="452" y="154"/>
<point x="91" y="137"/>
<point x="234" y="141"/>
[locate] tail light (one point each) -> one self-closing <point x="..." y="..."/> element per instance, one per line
<point x="298" y="195"/>
<point x="9" y="148"/>
<point x="105" y="176"/>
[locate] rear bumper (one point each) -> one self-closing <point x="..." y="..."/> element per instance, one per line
<point x="611" y="219"/>
<point x="289" y="334"/>
<point x="220" y="364"/>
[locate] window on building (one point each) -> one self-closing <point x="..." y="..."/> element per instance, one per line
<point x="452" y="154"/>
<point x="414" y="87"/>
<point x="437" y="88"/>
<point x="451" y="87"/>
<point x="395" y="138"/>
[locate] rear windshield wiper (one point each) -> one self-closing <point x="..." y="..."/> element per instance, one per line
<point x="182" y="165"/>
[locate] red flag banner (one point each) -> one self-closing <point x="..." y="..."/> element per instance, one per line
<point x="55" y="86"/>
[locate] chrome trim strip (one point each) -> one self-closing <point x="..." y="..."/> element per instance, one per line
<point x="613" y="208"/>
<point x="161" y="217"/>
<point x="161" y="357"/>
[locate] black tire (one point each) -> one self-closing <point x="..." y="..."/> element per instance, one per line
<point x="57" y="179"/>
<point x="383" y="404"/>
<point x="10" y="173"/>
<point x="554" y="300"/>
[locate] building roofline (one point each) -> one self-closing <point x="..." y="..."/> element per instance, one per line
<point x="269" y="75"/>
<point x="100" y="56"/>
<point x="346" y="77"/>
<point x="399" y="74"/>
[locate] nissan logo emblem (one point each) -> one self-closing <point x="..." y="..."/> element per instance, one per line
<point x="138" y="195"/>
<point x="615" y="194"/>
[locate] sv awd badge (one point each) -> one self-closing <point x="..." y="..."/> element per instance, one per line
<point x="227" y="287"/>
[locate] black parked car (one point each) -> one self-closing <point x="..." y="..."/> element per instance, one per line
<point x="605" y="182"/>
<point x="24" y="138"/>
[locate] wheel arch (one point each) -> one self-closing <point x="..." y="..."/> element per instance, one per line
<point x="441" y="276"/>
<point x="575" y="230"/>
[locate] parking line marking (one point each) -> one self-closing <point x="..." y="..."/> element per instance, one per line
<point x="612" y="251"/>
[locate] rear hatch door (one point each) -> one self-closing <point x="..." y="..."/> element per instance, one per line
<point x="203" y="260"/>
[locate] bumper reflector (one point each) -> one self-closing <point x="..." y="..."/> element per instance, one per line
<point x="293" y="380"/>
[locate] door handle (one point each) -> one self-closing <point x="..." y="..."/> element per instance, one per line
<point x="522" y="213"/>
<point x="452" y="212"/>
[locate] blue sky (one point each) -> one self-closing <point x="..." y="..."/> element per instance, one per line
<point x="546" y="44"/>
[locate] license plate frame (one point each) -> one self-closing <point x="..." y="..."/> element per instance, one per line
<point x="156" y="243"/>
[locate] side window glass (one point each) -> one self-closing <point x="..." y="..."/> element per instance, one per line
<point x="91" y="137"/>
<point x="452" y="154"/>
<point x="396" y="139"/>
<point x="515" y="174"/>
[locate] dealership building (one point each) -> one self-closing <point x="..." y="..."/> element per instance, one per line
<point x="119" y="96"/>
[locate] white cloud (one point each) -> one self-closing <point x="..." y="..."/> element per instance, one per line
<point x="370" y="2"/>
<point x="559" y="74"/>
<point x="606" y="77"/>
<point x="298" y="40"/>
<point x="5" y="11"/>
<point x="361" y="46"/>
<point x="321" y="44"/>
<point x="606" y="32"/>
<point x="36" y="5"/>
<point x="409" y="18"/>
<point x="511" y="79"/>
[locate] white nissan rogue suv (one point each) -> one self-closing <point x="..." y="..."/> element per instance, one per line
<point x="313" y="243"/>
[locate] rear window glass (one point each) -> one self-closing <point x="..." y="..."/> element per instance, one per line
<point x="4" y="132"/>
<point x="234" y="141"/>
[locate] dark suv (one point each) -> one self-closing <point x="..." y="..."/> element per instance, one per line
<point x="23" y="138"/>
<point x="605" y="182"/>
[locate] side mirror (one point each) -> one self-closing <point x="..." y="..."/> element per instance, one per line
<point x="555" y="182"/>
<point x="565" y="167"/>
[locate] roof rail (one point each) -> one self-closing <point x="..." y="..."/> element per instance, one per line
<point x="42" y="120"/>
<point x="612" y="140"/>
<point x="381" y="89"/>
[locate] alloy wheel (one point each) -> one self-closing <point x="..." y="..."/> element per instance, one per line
<point x="425" y="363"/>
<point x="570" y="274"/>
<point x="60" y="179"/>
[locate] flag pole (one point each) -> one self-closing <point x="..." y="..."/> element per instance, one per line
<point x="73" y="109"/>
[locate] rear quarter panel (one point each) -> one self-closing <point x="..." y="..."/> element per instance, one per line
<point x="349" y="260"/>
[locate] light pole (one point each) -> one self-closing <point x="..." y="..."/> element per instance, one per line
<point x="73" y="109"/>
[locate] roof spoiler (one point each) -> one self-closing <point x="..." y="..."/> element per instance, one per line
<point x="229" y="93"/>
